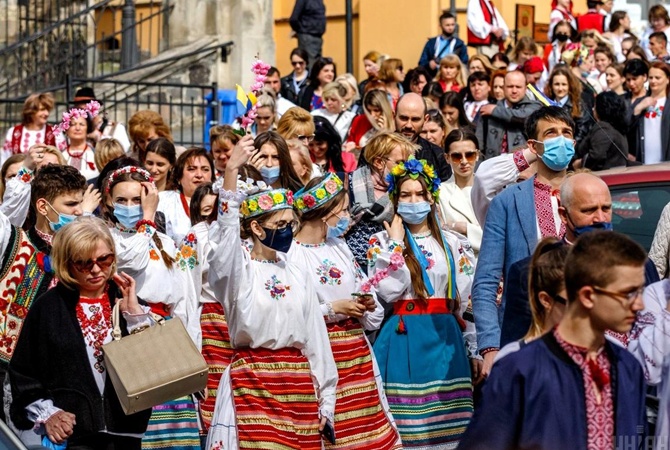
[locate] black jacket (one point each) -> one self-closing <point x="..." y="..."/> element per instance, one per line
<point x="288" y="90"/>
<point x="636" y="134"/>
<point x="435" y="156"/>
<point x="305" y="97"/>
<point x="51" y="362"/>
<point x="309" y="17"/>
<point x="603" y="147"/>
<point x="517" y="317"/>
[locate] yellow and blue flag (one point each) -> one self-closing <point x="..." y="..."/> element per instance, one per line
<point x="244" y="101"/>
<point x="546" y="101"/>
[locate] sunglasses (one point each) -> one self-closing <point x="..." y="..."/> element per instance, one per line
<point x="306" y="137"/>
<point x="458" y="157"/>
<point x="297" y="63"/>
<point x="104" y="262"/>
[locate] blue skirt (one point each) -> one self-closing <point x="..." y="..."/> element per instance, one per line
<point x="426" y="375"/>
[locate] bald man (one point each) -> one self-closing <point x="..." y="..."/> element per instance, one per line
<point x="500" y="129"/>
<point x="586" y="204"/>
<point x="410" y="114"/>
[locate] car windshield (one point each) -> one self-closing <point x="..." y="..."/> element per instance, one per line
<point x="636" y="210"/>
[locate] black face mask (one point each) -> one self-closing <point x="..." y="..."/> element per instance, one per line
<point x="560" y="37"/>
<point x="279" y="239"/>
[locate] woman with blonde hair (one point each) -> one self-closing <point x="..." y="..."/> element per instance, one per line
<point x="33" y="128"/>
<point x="107" y="150"/>
<point x="143" y="127"/>
<point x="377" y="116"/>
<point x="266" y="113"/>
<point x="451" y="74"/>
<point x="335" y="109"/>
<point x="296" y="123"/>
<point x="369" y="201"/>
<point x="480" y="63"/>
<point x="351" y="99"/>
<point x="66" y="329"/>
<point x="392" y="74"/>
<point x="372" y="62"/>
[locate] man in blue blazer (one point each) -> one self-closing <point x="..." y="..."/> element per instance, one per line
<point x="445" y="44"/>
<point x="517" y="219"/>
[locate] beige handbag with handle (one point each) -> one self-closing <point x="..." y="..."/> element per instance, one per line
<point x="153" y="366"/>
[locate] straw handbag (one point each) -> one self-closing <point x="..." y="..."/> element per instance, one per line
<point x="155" y="365"/>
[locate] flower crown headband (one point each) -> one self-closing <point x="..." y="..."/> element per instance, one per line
<point x="127" y="169"/>
<point x="307" y="200"/>
<point x="265" y="202"/>
<point x="414" y="168"/>
<point x="91" y="109"/>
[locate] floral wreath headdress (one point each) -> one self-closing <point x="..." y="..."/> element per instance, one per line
<point x="414" y="168"/>
<point x="307" y="200"/>
<point x="91" y="109"/>
<point x="575" y="54"/>
<point x="265" y="202"/>
<point x="127" y="169"/>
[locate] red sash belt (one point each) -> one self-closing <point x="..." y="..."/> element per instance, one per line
<point x="160" y="308"/>
<point x="419" y="306"/>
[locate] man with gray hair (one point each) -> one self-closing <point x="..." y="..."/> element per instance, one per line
<point x="586" y="205"/>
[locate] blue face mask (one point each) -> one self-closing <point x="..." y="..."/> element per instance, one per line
<point x="339" y="229"/>
<point x="558" y="152"/>
<point x="413" y="213"/>
<point x="128" y="216"/>
<point x="279" y="239"/>
<point x="604" y="226"/>
<point x="63" y="219"/>
<point x="270" y="174"/>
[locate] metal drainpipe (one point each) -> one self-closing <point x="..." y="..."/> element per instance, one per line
<point x="350" y="36"/>
<point x="129" y="51"/>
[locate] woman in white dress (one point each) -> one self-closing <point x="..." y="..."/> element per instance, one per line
<point x="76" y="149"/>
<point x="129" y="206"/>
<point x="283" y="373"/>
<point x="194" y="167"/>
<point x="362" y="416"/>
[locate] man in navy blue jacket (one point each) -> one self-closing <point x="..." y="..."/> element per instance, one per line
<point x="445" y="44"/>
<point x="571" y="388"/>
<point x="308" y="22"/>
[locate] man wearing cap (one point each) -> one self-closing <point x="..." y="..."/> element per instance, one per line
<point x="103" y="128"/>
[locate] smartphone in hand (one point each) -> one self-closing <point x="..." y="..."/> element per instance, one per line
<point x="328" y="433"/>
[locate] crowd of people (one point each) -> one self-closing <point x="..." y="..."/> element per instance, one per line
<point x="416" y="260"/>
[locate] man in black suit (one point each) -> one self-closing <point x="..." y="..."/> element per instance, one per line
<point x="586" y="204"/>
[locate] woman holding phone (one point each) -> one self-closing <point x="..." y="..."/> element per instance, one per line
<point x="362" y="416"/>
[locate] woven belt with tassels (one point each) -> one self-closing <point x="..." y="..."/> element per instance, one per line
<point x="419" y="306"/>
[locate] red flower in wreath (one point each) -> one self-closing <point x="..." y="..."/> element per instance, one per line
<point x="309" y="200"/>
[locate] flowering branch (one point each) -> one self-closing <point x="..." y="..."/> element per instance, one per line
<point x="397" y="261"/>
<point x="260" y="70"/>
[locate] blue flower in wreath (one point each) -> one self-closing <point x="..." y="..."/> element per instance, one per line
<point x="413" y="166"/>
<point x="436" y="184"/>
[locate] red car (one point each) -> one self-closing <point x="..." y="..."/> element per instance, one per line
<point x="639" y="195"/>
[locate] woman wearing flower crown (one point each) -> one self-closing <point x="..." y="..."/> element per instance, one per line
<point x="350" y="307"/>
<point x="129" y="205"/>
<point x="281" y="351"/>
<point x="76" y="149"/>
<point x="421" y="350"/>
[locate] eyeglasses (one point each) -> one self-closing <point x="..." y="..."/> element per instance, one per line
<point x="628" y="298"/>
<point x="306" y="137"/>
<point x="458" y="157"/>
<point x="297" y="63"/>
<point x="104" y="262"/>
<point x="401" y="68"/>
<point x="395" y="163"/>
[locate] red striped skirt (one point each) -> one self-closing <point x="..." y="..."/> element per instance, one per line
<point x="360" y="419"/>
<point x="275" y="402"/>
<point x="217" y="352"/>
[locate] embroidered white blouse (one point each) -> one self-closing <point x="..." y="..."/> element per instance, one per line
<point x="177" y="222"/>
<point x="336" y="274"/>
<point x="269" y="304"/>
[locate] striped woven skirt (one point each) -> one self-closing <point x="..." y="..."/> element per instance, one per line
<point x="173" y="425"/>
<point x="217" y="352"/>
<point x="361" y="421"/>
<point x="266" y="400"/>
<point x="426" y="376"/>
